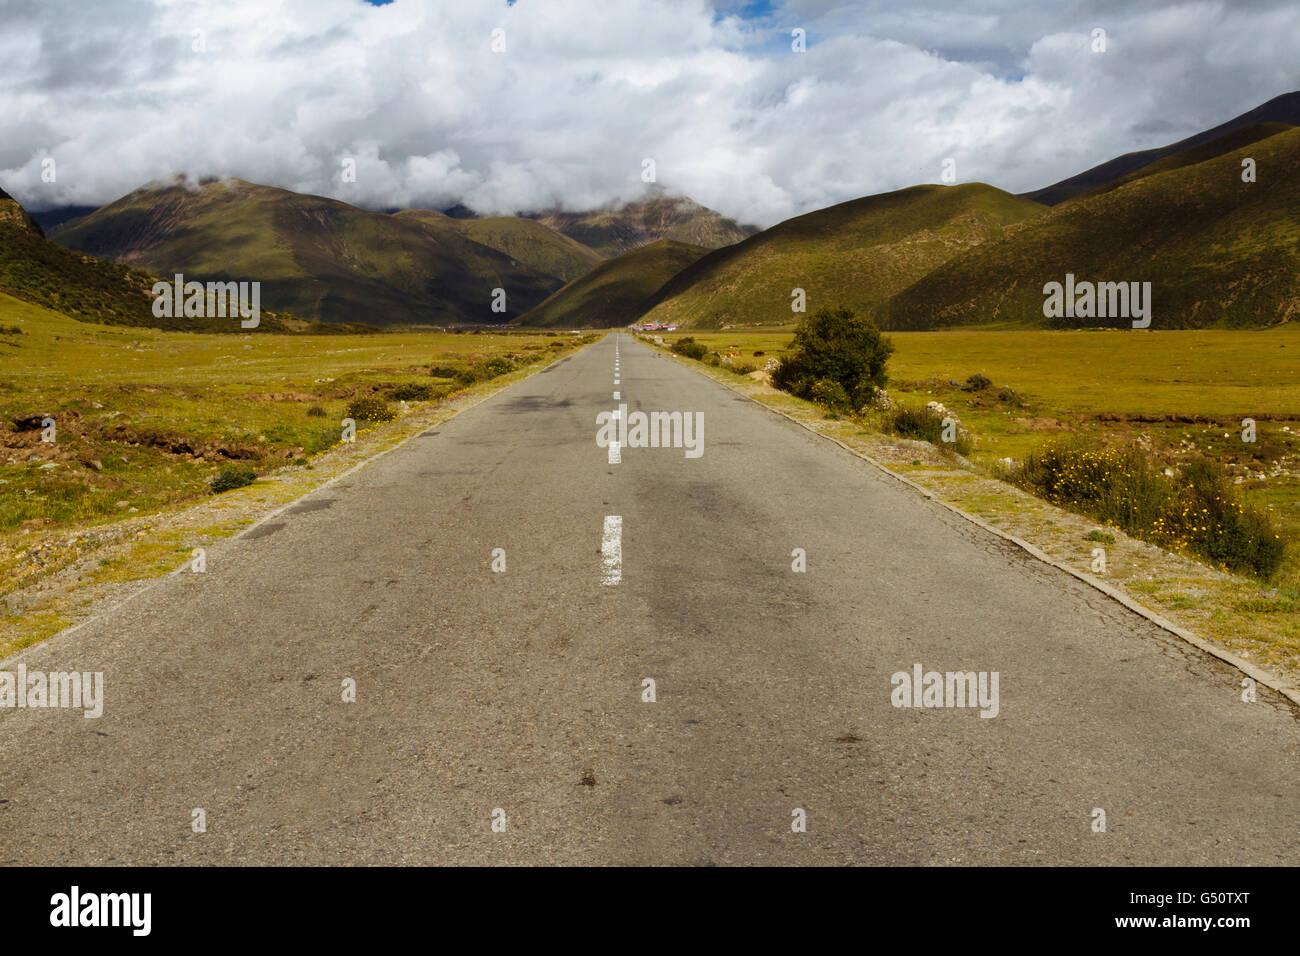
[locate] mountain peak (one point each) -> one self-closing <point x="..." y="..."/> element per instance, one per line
<point x="1280" y="109"/>
<point x="617" y="228"/>
<point x="12" y="212"/>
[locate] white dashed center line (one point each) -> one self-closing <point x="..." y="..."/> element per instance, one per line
<point x="611" y="549"/>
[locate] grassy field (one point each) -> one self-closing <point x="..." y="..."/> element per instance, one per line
<point x="145" y="419"/>
<point x="1177" y="393"/>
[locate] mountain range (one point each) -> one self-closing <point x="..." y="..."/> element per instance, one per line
<point x="315" y="257"/>
<point x="857" y="253"/>
<point x="1211" y="222"/>
<point x="1218" y="250"/>
<point x="1218" y="241"/>
<point x="324" y="259"/>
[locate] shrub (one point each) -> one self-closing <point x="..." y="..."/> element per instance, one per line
<point x="1200" y="512"/>
<point x="977" y="383"/>
<point x="1100" y="536"/>
<point x="926" y="424"/>
<point x="466" y="376"/>
<point x="690" y="348"/>
<point x="373" y="409"/>
<point x="444" y="371"/>
<point x="1115" y="485"/>
<point x="836" y="345"/>
<point x="1215" y="524"/>
<point x="743" y="368"/>
<point x="829" y="395"/>
<point x="316" y="411"/>
<point x="497" y="366"/>
<point x="230" y="478"/>
<point x="411" y="392"/>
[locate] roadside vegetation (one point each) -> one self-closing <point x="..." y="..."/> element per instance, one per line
<point x="1143" y="434"/>
<point x="1197" y="511"/>
<point x="837" y="360"/>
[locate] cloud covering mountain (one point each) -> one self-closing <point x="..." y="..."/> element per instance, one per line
<point x="285" y="93"/>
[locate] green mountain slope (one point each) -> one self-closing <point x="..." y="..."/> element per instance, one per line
<point x="37" y="270"/>
<point x="1280" y="109"/>
<point x="857" y="253"/>
<point x="315" y="257"/>
<point x="13" y="214"/>
<point x="614" y="231"/>
<point x="1229" y="143"/>
<point x="89" y="289"/>
<point x="528" y="241"/>
<point x="1218" y="251"/>
<point x="615" y="293"/>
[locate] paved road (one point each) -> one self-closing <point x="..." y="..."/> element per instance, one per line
<point x="522" y="690"/>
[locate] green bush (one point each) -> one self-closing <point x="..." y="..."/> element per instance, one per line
<point x="1216" y="525"/>
<point x="829" y="395"/>
<point x="230" y="478"/>
<point x="497" y="366"/>
<point x="925" y="424"/>
<point x="373" y="409"/>
<point x="1199" y="512"/>
<point x="690" y="348"/>
<point x="412" y="392"/>
<point x="444" y="371"/>
<point x="1118" y="485"/>
<point x="316" y="411"/>
<point x="977" y="383"/>
<point x="836" y="345"/>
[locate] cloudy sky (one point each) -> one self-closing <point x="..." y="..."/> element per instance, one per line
<point x="283" y="92"/>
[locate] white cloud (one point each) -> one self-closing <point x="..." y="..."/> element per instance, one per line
<point x="284" y="91"/>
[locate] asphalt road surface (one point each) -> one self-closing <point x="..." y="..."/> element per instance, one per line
<point x="521" y="691"/>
